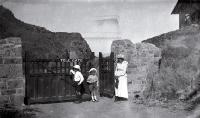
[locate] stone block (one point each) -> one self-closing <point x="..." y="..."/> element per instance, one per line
<point x="17" y="99"/>
<point x="20" y="91"/>
<point x="1" y="60"/>
<point x="13" y="40"/>
<point x="3" y="79"/>
<point x="3" y="85"/>
<point x="12" y="60"/>
<point x="12" y="99"/>
<point x="4" y="99"/>
<point x="2" y="41"/>
<point x="3" y="71"/>
<point x="8" y="52"/>
<point x="18" y="50"/>
<point x="15" y="83"/>
<point x="132" y="65"/>
<point x="8" y="92"/>
<point x="15" y="51"/>
<point x="11" y="70"/>
<point x="8" y="45"/>
<point x="2" y="52"/>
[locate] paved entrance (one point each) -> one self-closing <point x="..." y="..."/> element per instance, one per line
<point x="105" y="108"/>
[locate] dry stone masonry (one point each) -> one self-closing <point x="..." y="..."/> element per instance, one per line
<point x="143" y="58"/>
<point x="12" y="80"/>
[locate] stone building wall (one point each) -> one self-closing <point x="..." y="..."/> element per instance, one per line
<point x="12" y="80"/>
<point x="143" y="59"/>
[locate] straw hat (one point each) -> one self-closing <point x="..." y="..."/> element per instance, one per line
<point x="93" y="69"/>
<point x="77" y="67"/>
<point x="120" y="56"/>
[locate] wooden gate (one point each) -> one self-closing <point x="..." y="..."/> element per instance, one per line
<point x="106" y="75"/>
<point x="49" y="80"/>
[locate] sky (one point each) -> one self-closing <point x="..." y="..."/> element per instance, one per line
<point x="99" y="21"/>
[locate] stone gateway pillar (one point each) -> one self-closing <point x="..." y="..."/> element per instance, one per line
<point x="143" y="60"/>
<point x="12" y="79"/>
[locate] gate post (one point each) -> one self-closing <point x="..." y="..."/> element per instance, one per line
<point x="26" y="73"/>
<point x="112" y="60"/>
<point x="100" y="74"/>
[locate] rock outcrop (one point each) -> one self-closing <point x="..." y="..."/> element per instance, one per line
<point x="143" y="58"/>
<point x="180" y="61"/>
<point x="40" y="42"/>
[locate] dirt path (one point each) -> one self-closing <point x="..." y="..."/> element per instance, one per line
<point x="105" y="108"/>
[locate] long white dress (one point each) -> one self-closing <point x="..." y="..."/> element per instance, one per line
<point x="120" y="72"/>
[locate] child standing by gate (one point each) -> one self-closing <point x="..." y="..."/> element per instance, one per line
<point x="93" y="83"/>
<point x="77" y="81"/>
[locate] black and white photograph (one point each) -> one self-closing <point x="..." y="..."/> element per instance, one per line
<point x="99" y="58"/>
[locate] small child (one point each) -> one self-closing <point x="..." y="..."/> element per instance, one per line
<point x="93" y="83"/>
<point x="77" y="81"/>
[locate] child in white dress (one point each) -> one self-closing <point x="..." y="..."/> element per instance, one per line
<point x="93" y="84"/>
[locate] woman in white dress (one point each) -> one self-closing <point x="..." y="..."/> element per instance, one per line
<point x="121" y="90"/>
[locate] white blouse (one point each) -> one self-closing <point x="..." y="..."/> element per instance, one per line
<point x="121" y="69"/>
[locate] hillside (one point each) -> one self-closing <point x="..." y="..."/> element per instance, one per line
<point x="180" y="61"/>
<point x="40" y="42"/>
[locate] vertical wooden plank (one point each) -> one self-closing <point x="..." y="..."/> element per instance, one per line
<point x="112" y="60"/>
<point x="47" y="89"/>
<point x="65" y="68"/>
<point x="33" y="67"/>
<point x="64" y="76"/>
<point x="44" y="81"/>
<point x="35" y="85"/>
<point x="37" y="82"/>
<point x="51" y="94"/>
<point x="62" y="81"/>
<point x="40" y="85"/>
<point x="38" y="67"/>
<point x="54" y="87"/>
<point x="56" y="66"/>
<point x="61" y="68"/>
<point x="43" y="66"/>
<point x="100" y="74"/>
<point x="112" y="65"/>
<point x="69" y="80"/>
<point x="27" y="78"/>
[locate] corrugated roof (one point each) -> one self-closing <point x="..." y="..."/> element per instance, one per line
<point x="186" y="6"/>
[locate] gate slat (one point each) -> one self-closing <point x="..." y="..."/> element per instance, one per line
<point x="38" y="68"/>
<point x="56" y="67"/>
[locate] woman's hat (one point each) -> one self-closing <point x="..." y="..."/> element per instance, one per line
<point x="93" y="69"/>
<point x="120" y="56"/>
<point x="77" y="67"/>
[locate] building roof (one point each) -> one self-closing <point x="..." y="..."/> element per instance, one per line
<point x="186" y="6"/>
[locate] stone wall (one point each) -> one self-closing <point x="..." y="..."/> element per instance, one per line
<point x="12" y="80"/>
<point x="143" y="59"/>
